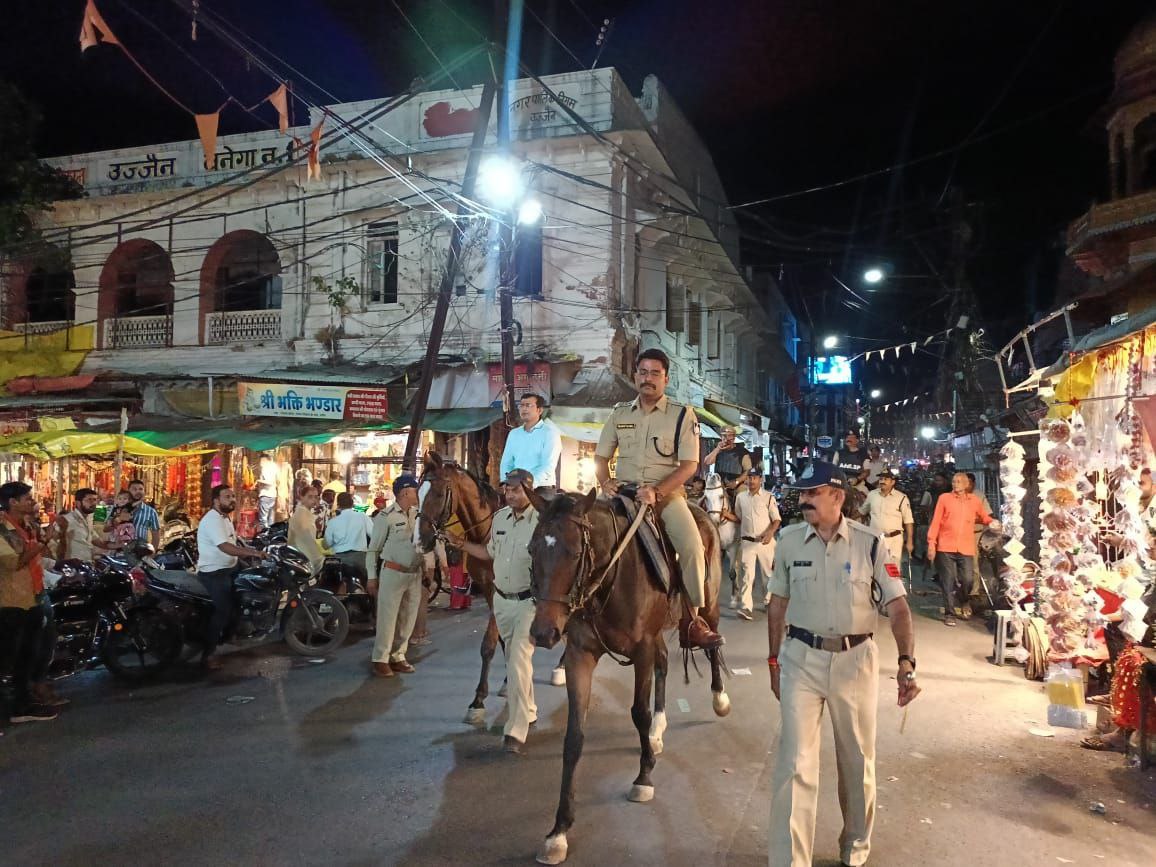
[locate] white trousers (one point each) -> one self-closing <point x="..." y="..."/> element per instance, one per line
<point x="514" y="618"/>
<point x="753" y="555"/>
<point x="846" y="682"/>
<point x="398" y="598"/>
<point x="894" y="546"/>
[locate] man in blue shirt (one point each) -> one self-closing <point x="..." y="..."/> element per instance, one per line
<point x="534" y="447"/>
<point x="144" y="517"/>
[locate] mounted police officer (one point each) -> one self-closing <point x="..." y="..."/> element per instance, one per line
<point x="732" y="461"/>
<point x="657" y="443"/>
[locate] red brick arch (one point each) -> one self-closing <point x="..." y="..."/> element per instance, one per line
<point x="240" y="247"/>
<point x="150" y="264"/>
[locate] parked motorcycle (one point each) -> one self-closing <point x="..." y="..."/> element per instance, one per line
<point x="175" y="521"/>
<point x="334" y="576"/>
<point x="179" y="553"/>
<point x="104" y="615"/>
<point x="275" y="595"/>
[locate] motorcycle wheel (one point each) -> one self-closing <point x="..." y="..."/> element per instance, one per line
<point x="303" y="638"/>
<point x="150" y="642"/>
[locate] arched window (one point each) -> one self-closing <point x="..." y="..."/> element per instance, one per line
<point x="241" y="289"/>
<point x="135" y="305"/>
<point x="1144" y="155"/>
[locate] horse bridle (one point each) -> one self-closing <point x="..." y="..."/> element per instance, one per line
<point x="447" y="513"/>
<point x="577" y="598"/>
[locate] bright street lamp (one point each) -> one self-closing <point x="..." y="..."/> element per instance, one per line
<point x="928" y="433"/>
<point x="876" y="394"/>
<point x="830" y="341"/>
<point x="860" y="420"/>
<point x="499" y="182"/>
<point x="530" y="213"/>
<point x="873" y="275"/>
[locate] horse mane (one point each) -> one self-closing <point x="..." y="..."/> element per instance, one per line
<point x="487" y="490"/>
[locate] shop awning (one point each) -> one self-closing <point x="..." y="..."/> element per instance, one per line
<point x="583" y="431"/>
<point x="456" y="421"/>
<point x="1103" y="336"/>
<point x="267" y="434"/>
<point x="705" y="415"/>
<point x="48" y="445"/>
<point x="734" y="414"/>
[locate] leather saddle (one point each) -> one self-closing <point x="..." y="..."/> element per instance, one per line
<point x="650" y="535"/>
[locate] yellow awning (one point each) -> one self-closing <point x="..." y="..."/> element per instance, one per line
<point x="47" y="445"/>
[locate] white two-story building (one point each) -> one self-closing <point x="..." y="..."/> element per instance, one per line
<point x="181" y="282"/>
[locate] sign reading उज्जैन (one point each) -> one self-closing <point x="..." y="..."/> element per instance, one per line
<point x="312" y="401"/>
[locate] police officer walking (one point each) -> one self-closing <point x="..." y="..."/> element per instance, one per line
<point x="759" y="520"/>
<point x="830" y="573"/>
<point x="657" y="444"/>
<point x="508" y="548"/>
<point x="889" y="513"/>
<point x="395" y="569"/>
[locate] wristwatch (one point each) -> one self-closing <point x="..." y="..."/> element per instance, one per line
<point x="910" y="659"/>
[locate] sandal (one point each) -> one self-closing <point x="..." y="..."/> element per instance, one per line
<point x="949" y="621"/>
<point x="1100" y="745"/>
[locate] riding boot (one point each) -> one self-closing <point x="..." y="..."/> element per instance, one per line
<point x="694" y="632"/>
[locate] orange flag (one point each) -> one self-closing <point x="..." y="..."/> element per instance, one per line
<point x="207" y="128"/>
<point x="93" y="30"/>
<point x="279" y="101"/>
<point x="314" y="172"/>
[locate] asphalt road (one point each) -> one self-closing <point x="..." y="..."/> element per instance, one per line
<point x="279" y="760"/>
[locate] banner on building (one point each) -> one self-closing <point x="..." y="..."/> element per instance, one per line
<point x="313" y="401"/>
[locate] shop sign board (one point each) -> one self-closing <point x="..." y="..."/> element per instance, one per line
<point x="824" y="442"/>
<point x="313" y="401"/>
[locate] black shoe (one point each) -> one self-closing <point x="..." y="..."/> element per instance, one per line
<point x="35" y="713"/>
<point x="513" y="745"/>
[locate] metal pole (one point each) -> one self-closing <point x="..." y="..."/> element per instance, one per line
<point x="445" y="292"/>
<point x="119" y="471"/>
<point x="507" y="272"/>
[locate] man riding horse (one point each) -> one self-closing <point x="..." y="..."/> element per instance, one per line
<point x="658" y="449"/>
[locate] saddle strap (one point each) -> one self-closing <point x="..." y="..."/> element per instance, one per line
<point x="639" y="517"/>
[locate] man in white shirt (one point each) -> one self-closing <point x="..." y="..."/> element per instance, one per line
<point x="759" y="520"/>
<point x="77" y="539"/>
<point x="303" y="527"/>
<point x="266" y="489"/>
<point x="217" y="553"/>
<point x="874" y="465"/>
<point x="347" y="536"/>
<point x="889" y="513"/>
<point x="534" y="447"/>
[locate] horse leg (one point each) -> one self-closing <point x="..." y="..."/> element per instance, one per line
<point x="476" y="715"/>
<point x="719" y="698"/>
<point x="658" y="724"/>
<point x="643" y="788"/>
<point x="579" y="674"/>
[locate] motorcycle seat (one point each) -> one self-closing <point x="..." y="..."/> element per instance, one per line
<point x="185" y="582"/>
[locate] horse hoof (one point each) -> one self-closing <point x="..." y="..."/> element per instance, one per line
<point x="656" y="746"/>
<point x="722" y="704"/>
<point x="553" y="850"/>
<point x="558" y="677"/>
<point x="641" y="794"/>
<point x="476" y="716"/>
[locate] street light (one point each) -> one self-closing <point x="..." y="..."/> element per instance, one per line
<point x="873" y="275"/>
<point x="499" y="182"/>
<point x="861" y="420"/>
<point x="928" y="433"/>
<point x="530" y="212"/>
<point x="876" y="394"/>
<point x="830" y="341"/>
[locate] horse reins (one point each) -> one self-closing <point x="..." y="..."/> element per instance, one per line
<point x="448" y="512"/>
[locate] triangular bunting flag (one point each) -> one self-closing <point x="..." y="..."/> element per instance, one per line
<point x="930" y="337"/>
<point x="912" y="344"/>
<point x="207" y="129"/>
<point x="314" y="172"/>
<point x="280" y="101"/>
<point x="93" y="30"/>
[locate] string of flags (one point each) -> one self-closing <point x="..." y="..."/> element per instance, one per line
<point x="94" y="31"/>
<point x="907" y="400"/>
<point x="912" y="347"/>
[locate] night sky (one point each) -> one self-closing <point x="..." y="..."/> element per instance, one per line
<point x="787" y="95"/>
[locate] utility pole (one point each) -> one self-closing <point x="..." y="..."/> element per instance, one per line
<point x="445" y="292"/>
<point x="507" y="270"/>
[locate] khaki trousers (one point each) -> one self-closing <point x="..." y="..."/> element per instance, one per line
<point x="751" y="556"/>
<point x="398" y="596"/>
<point x="848" y="684"/>
<point x="684" y="536"/>
<point x="514" y="618"/>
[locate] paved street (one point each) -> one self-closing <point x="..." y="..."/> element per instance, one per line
<point x="328" y="766"/>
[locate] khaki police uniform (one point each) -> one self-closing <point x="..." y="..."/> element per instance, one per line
<point x="756" y="512"/>
<point x="829" y="586"/>
<point x="508" y="547"/>
<point x="395" y="561"/>
<point x="889" y="514"/>
<point x="645" y="442"/>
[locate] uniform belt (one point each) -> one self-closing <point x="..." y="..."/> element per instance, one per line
<point x="515" y="597"/>
<point x="397" y="567"/>
<point x="820" y="642"/>
<point x="893" y="534"/>
<point x="751" y="539"/>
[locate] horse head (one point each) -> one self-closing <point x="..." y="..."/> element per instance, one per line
<point x="714" y="496"/>
<point x="452" y="492"/>
<point x="561" y="557"/>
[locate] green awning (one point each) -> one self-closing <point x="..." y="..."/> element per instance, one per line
<point x="256" y="440"/>
<point x="710" y="418"/>
<point x="456" y="421"/>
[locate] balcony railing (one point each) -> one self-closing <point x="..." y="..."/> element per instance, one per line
<point x="242" y="326"/>
<point x="30" y="328"/>
<point x="138" y="332"/>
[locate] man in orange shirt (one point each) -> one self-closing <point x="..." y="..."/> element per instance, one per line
<point x="951" y="540"/>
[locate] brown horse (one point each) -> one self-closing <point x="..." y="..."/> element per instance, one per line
<point x="618" y="609"/>
<point x="453" y="492"/>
